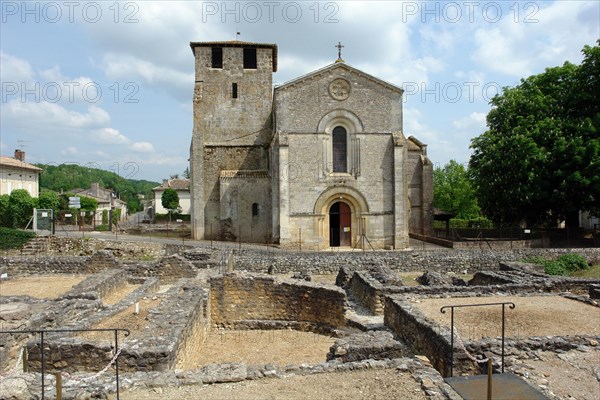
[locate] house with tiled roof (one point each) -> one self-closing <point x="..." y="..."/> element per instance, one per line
<point x="182" y="186"/>
<point x="106" y="199"/>
<point x="15" y="173"/>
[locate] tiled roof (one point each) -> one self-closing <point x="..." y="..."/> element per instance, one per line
<point x="14" y="163"/>
<point x="239" y="43"/>
<point x="177" y="184"/>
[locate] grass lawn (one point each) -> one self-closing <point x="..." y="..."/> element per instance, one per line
<point x="591" y="272"/>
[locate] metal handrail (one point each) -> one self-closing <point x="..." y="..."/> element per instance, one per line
<point x="42" y="331"/>
<point x="443" y="311"/>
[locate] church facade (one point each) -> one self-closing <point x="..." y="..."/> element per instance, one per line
<point x="318" y="162"/>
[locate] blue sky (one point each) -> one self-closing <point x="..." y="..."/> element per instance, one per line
<point x="110" y="84"/>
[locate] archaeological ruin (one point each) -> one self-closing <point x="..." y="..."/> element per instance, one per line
<point x="198" y="316"/>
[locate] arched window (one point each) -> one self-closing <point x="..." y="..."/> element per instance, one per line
<point x="340" y="149"/>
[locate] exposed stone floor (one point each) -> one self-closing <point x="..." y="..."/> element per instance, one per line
<point x="533" y="316"/>
<point x="571" y="375"/>
<point x="253" y="347"/>
<point x="369" y="384"/>
<point x="40" y="287"/>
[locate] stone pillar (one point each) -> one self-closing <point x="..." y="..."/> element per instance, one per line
<point x="401" y="206"/>
<point x="284" y="193"/>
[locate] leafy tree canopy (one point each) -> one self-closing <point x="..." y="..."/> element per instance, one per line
<point x="453" y="191"/>
<point x="48" y="199"/>
<point x="170" y="199"/>
<point x="20" y="208"/>
<point x="66" y="177"/>
<point x="539" y="161"/>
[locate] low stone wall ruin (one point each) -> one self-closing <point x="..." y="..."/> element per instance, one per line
<point x="424" y="336"/>
<point x="444" y="260"/>
<point x="261" y="301"/>
<point x="367" y="291"/>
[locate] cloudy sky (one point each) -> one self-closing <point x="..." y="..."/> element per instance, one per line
<point x="110" y="84"/>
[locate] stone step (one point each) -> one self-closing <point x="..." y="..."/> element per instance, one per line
<point x="35" y="246"/>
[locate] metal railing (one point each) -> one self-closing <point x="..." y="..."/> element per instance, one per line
<point x="443" y="311"/>
<point x="44" y="331"/>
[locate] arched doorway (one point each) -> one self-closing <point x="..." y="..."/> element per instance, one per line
<point x="340" y="221"/>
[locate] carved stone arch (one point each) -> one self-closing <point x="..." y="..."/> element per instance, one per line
<point x="357" y="202"/>
<point x="340" y="117"/>
<point x="342" y="194"/>
<point x="353" y="125"/>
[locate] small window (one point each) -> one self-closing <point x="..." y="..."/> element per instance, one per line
<point x="234" y="90"/>
<point x="217" y="57"/>
<point x="340" y="150"/>
<point x="249" y="58"/>
<point x="255" y="209"/>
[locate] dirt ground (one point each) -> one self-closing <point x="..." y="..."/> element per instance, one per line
<point x="254" y="347"/>
<point x="532" y="316"/>
<point x="40" y="287"/>
<point x="570" y="375"/>
<point x="116" y="296"/>
<point x="369" y="384"/>
<point x="125" y="319"/>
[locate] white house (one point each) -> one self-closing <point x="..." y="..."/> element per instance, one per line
<point x="15" y="173"/>
<point x="106" y="200"/>
<point x="182" y="186"/>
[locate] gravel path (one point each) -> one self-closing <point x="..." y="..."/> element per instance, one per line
<point x="370" y="384"/>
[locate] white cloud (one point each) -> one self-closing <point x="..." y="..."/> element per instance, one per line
<point x="142" y="147"/>
<point x="134" y="70"/>
<point x="14" y="69"/>
<point x="70" y="151"/>
<point x="109" y="136"/>
<point x="473" y="122"/>
<point x="52" y="117"/>
<point x="553" y="33"/>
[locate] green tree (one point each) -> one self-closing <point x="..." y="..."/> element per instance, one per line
<point x="48" y="200"/>
<point x="88" y="203"/>
<point x="453" y="191"/>
<point x="170" y="200"/>
<point x="539" y="161"/>
<point x="134" y="205"/>
<point x="186" y="173"/>
<point x="5" y="218"/>
<point x="20" y="208"/>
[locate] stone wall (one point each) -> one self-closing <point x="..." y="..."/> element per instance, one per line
<point x="367" y="291"/>
<point x="442" y="261"/>
<point x="237" y="300"/>
<point x="154" y="348"/>
<point x="424" y="336"/>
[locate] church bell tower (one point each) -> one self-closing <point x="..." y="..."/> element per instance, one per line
<point x="232" y="129"/>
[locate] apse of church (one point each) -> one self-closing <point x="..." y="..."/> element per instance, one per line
<point x="321" y="159"/>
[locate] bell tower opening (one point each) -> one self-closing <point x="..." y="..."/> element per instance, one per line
<point x="340" y="221"/>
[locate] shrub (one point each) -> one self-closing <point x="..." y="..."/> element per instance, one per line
<point x="563" y="265"/>
<point x="20" y="207"/>
<point x="573" y="262"/>
<point x="554" y="268"/>
<point x="14" y="238"/>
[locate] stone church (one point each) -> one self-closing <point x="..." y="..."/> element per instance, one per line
<point x="320" y="161"/>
